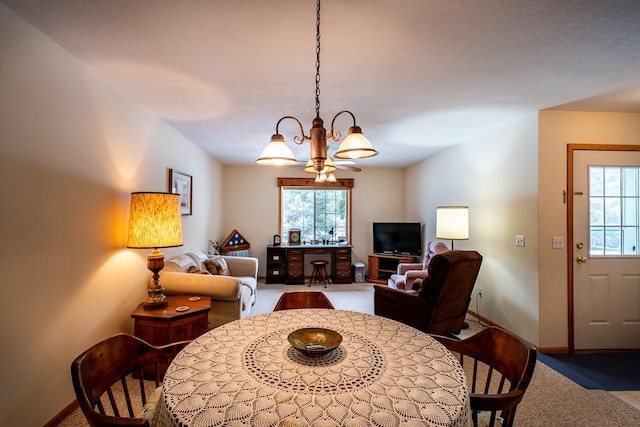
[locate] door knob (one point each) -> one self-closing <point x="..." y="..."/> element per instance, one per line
<point x="579" y="245"/>
<point x="581" y="259"/>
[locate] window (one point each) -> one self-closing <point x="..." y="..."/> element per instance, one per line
<point x="320" y="211"/>
<point x="614" y="213"/>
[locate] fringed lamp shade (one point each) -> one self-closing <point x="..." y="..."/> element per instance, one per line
<point x="155" y="222"/>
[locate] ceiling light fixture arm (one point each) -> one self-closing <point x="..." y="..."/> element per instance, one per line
<point x="335" y="135"/>
<point x="298" y="139"/>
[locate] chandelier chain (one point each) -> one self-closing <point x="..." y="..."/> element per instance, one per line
<point x="354" y="146"/>
<point x="318" y="59"/>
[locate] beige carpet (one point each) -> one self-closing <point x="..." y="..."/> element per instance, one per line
<point x="551" y="399"/>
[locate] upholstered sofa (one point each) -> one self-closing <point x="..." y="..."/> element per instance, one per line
<point x="232" y="295"/>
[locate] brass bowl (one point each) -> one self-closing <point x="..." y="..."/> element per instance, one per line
<point x="314" y="341"/>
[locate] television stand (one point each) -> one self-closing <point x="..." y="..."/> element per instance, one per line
<point x="382" y="266"/>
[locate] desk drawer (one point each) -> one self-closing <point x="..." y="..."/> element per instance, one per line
<point x="295" y="255"/>
<point x="343" y="265"/>
<point x="295" y="270"/>
<point x="275" y="274"/>
<point x="342" y="276"/>
<point x="275" y="256"/>
<point x="316" y="251"/>
<point x="343" y="254"/>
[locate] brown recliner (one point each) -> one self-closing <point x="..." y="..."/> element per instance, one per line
<point x="440" y="304"/>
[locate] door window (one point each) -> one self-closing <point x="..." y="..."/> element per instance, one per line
<point x="614" y="217"/>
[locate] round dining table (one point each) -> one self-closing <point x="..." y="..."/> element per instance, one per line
<point x="246" y="373"/>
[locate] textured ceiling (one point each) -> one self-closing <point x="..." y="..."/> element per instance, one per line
<point x="419" y="75"/>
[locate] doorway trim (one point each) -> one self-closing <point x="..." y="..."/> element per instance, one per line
<point x="571" y="148"/>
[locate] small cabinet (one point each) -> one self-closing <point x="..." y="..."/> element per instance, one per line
<point x="164" y="325"/>
<point x="381" y="267"/>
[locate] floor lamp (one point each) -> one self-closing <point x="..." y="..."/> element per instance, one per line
<point x="452" y="223"/>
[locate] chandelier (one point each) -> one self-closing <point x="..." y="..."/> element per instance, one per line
<point x="354" y="146"/>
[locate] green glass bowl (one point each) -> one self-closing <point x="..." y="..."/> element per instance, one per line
<point x="314" y="341"/>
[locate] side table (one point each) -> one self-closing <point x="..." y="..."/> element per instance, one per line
<point x="164" y="325"/>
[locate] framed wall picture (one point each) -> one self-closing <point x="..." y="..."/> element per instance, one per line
<point x="182" y="184"/>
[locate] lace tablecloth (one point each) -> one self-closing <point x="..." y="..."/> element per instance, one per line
<point x="245" y="373"/>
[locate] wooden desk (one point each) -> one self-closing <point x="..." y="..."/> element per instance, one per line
<point x="285" y="264"/>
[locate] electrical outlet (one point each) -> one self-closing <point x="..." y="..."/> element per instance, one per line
<point x="519" y="240"/>
<point x="480" y="290"/>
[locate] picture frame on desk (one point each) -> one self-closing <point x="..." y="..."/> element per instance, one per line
<point x="294" y="236"/>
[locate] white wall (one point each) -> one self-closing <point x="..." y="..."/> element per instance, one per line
<point x="557" y="129"/>
<point x="251" y="204"/>
<point x="72" y="148"/>
<point x="496" y="176"/>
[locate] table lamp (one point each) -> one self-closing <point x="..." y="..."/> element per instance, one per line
<point x="155" y="222"/>
<point x="452" y="223"/>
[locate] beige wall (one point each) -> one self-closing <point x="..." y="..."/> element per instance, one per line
<point x="497" y="177"/>
<point x="557" y="129"/>
<point x="72" y="148"/>
<point x="251" y="204"/>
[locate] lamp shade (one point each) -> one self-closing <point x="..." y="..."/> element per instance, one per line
<point x="355" y="146"/>
<point x="329" y="166"/>
<point x="452" y="222"/>
<point x="155" y="221"/>
<point x="277" y="153"/>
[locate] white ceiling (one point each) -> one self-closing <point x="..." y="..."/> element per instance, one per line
<point x="419" y="75"/>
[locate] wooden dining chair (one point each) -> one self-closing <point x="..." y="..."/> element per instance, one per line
<point x="308" y="299"/>
<point x="499" y="366"/>
<point x="117" y="366"/>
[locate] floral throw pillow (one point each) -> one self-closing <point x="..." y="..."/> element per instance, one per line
<point x="217" y="265"/>
<point x="196" y="270"/>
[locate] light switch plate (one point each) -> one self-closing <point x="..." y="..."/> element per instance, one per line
<point x="557" y="242"/>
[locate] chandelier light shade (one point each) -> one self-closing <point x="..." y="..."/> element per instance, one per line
<point x="354" y="146"/>
<point x="155" y="222"/>
<point x="277" y="153"/>
<point x="329" y="166"/>
<point x="452" y="223"/>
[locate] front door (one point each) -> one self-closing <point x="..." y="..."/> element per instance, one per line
<point x="606" y="239"/>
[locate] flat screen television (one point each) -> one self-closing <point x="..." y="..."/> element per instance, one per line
<point x="397" y="238"/>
